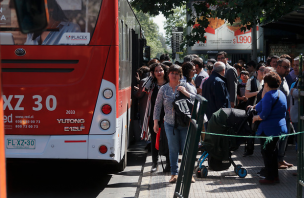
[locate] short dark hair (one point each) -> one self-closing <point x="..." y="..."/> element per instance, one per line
<point x="251" y="63"/>
<point x="237" y="66"/>
<point x="152" y="61"/>
<point x="210" y="67"/>
<point x="281" y="60"/>
<point x="152" y="69"/>
<point x="245" y="73"/>
<point x="272" y="79"/>
<point x="286" y="56"/>
<point x="168" y="63"/>
<point x="164" y="57"/>
<point x="143" y="69"/>
<point x="187" y="67"/>
<point x="274" y="56"/>
<point x="222" y="53"/>
<point x="260" y="65"/>
<point x="188" y="58"/>
<point x="194" y="56"/>
<point x="212" y="60"/>
<point x="178" y="63"/>
<point x="242" y="59"/>
<point x="199" y="62"/>
<point x="176" y="68"/>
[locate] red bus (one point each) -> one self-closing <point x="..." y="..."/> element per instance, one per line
<point x="67" y="90"/>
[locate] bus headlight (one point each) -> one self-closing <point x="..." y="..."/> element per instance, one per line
<point x="105" y="124"/>
<point x="108" y="93"/>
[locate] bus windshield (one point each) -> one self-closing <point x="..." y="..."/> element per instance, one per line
<point x="71" y="22"/>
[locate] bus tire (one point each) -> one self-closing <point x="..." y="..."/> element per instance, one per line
<point x="123" y="163"/>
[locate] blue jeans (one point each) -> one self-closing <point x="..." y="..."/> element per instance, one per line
<point x="175" y="142"/>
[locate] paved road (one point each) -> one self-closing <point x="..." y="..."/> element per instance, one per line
<point x="75" y="179"/>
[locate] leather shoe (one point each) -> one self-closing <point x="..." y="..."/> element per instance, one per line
<point x="173" y="179"/>
<point x="154" y="167"/>
<point x="281" y="166"/>
<point x="286" y="164"/>
<point x="266" y="181"/>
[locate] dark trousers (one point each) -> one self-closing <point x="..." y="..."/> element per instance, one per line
<point x="249" y="145"/>
<point x="154" y="151"/>
<point x="270" y="157"/>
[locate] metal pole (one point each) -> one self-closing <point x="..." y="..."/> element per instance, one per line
<point x="254" y="46"/>
<point x="300" y="136"/>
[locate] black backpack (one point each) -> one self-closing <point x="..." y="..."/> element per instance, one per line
<point x="183" y="109"/>
<point x="252" y="101"/>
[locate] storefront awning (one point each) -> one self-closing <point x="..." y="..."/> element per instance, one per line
<point x="292" y="22"/>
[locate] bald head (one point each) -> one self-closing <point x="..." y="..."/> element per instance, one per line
<point x="219" y="67"/>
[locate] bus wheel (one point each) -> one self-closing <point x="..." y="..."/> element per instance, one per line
<point x="123" y="163"/>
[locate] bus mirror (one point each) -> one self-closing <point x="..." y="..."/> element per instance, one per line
<point x="32" y="15"/>
<point x="147" y="53"/>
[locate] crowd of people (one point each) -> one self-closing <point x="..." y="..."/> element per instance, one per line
<point x="271" y="88"/>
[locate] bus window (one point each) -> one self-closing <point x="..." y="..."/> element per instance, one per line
<point x="71" y="22"/>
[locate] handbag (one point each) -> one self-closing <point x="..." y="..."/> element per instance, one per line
<point x="183" y="109"/>
<point x="256" y="124"/>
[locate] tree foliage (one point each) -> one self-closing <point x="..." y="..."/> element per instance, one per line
<point x="177" y="19"/>
<point x="151" y="33"/>
<point x="250" y="12"/>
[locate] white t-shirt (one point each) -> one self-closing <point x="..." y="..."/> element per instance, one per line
<point x="259" y="84"/>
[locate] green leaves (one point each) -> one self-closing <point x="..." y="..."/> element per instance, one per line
<point x="249" y="11"/>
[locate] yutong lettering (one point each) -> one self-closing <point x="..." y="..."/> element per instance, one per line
<point x="64" y="121"/>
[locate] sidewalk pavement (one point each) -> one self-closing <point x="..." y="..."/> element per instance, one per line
<point x="220" y="184"/>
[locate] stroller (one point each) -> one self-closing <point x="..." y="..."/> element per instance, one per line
<point x="218" y="149"/>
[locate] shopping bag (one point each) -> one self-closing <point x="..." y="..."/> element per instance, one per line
<point x="157" y="139"/>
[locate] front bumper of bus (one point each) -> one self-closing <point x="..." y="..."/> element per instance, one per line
<point x="62" y="147"/>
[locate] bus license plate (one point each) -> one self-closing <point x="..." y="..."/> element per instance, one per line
<point x="20" y="143"/>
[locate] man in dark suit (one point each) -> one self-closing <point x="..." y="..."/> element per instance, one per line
<point x="215" y="90"/>
<point x="231" y="77"/>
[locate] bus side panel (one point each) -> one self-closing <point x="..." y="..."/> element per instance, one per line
<point x="106" y="24"/>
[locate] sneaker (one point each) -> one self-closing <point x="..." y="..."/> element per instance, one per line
<point x="154" y="167"/>
<point x="261" y="173"/>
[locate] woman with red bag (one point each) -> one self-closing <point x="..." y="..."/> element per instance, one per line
<point x="159" y="74"/>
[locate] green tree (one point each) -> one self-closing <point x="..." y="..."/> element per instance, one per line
<point x="151" y="33"/>
<point x="251" y="12"/>
<point x="177" y="19"/>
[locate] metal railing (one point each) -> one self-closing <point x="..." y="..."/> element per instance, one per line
<point x="300" y="137"/>
<point x="190" y="149"/>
